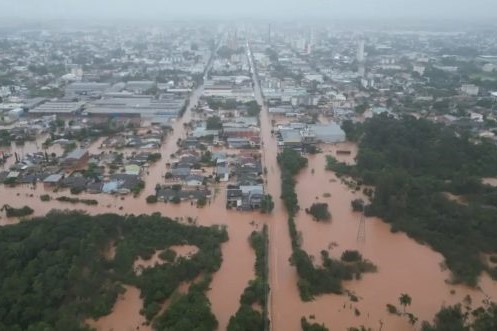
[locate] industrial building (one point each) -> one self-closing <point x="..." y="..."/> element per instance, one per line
<point x="136" y="106"/>
<point x="59" y="108"/>
<point x="297" y="134"/>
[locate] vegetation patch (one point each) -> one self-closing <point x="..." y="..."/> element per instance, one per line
<point x="411" y="163"/>
<point x="313" y="280"/>
<point x="319" y="211"/>
<point x="307" y="326"/>
<point x="17" y="212"/>
<point x="61" y="277"/>
<point x="89" y="202"/>
<point x="247" y="318"/>
<point x="457" y="317"/>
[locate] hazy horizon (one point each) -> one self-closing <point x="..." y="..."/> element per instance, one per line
<point x="226" y="9"/>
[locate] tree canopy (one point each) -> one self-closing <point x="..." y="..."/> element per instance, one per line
<point x="413" y="164"/>
<point x="55" y="273"/>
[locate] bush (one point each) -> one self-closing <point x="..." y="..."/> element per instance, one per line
<point x="306" y="326"/>
<point x="138" y="187"/>
<point x="201" y="202"/>
<point x="168" y="255"/>
<point x="89" y="202"/>
<point x="267" y="204"/>
<point x="319" y="211"/>
<point x="154" y="157"/>
<point x="392" y="309"/>
<point x="17" y="212"/>
<point x="351" y="256"/>
<point x="76" y="190"/>
<point x="151" y="199"/>
<point x="45" y="197"/>
<point x="357" y="205"/>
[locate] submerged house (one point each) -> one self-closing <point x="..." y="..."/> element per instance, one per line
<point x="244" y="197"/>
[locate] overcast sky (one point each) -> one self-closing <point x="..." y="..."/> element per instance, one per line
<point x="169" y="9"/>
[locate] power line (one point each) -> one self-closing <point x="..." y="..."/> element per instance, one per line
<point x="361" y="231"/>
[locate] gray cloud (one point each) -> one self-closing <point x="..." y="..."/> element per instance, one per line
<point x="139" y="9"/>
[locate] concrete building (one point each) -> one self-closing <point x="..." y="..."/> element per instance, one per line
<point x="470" y="89"/>
<point x="140" y="86"/>
<point x="324" y="133"/>
<point x="135" y="106"/>
<point x="86" y="88"/>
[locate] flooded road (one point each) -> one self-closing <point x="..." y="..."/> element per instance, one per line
<point x="238" y="257"/>
<point x="404" y="266"/>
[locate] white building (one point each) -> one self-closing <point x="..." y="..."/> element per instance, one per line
<point x="470" y="89"/>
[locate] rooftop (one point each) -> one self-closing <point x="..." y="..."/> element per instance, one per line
<point x="59" y="107"/>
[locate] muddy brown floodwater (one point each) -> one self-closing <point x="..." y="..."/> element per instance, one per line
<point x="185" y="251"/>
<point x="125" y="315"/>
<point x="404" y="266"/>
<point x="238" y="257"/>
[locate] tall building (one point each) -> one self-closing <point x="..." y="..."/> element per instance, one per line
<point x="310" y="44"/>
<point x="360" y="51"/>
<point x="269" y="34"/>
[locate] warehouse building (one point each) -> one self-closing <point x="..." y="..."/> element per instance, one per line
<point x="59" y="108"/>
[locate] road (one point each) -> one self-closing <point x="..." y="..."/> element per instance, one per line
<point x="279" y="239"/>
<point x="170" y="147"/>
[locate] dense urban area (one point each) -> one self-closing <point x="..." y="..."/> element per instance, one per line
<point x="248" y="177"/>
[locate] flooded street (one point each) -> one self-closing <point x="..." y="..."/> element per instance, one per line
<point x="404" y="266"/>
<point x="238" y="257"/>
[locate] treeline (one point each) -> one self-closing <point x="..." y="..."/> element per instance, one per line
<point x="190" y="311"/>
<point x="412" y="164"/>
<point x="252" y="107"/>
<point x="55" y="273"/>
<point x="17" y="212"/>
<point x="313" y="280"/>
<point x="463" y="318"/>
<point x="247" y="318"/>
<point x="89" y="202"/>
<point x="290" y="162"/>
<point x="307" y="326"/>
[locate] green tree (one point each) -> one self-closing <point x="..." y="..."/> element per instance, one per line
<point x="214" y="123"/>
<point x="267" y="204"/>
<point x="405" y="300"/>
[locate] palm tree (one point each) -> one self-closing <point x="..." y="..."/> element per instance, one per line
<point x="405" y="300"/>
